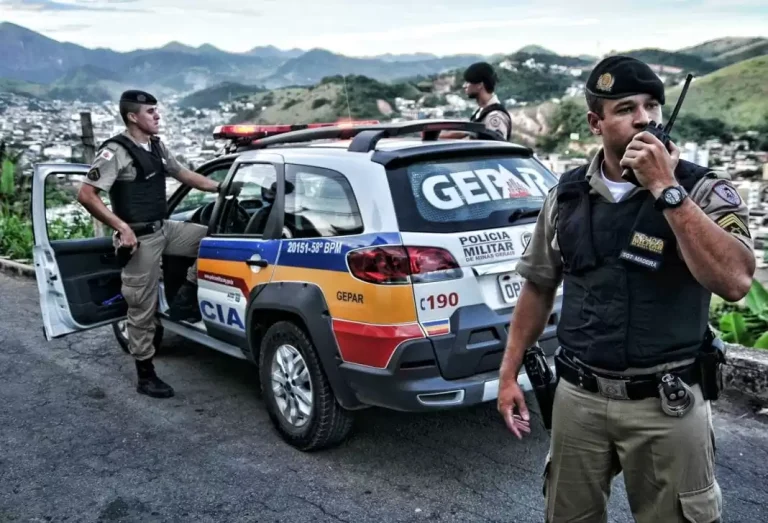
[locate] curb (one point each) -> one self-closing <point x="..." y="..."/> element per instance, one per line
<point x="16" y="268"/>
<point x="745" y="370"/>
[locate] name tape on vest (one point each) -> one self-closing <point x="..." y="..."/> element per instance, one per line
<point x="447" y="192"/>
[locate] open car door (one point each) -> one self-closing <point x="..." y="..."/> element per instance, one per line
<point x="78" y="274"/>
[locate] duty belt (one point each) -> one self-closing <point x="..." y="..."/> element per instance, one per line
<point x="140" y="229"/>
<point x="619" y="387"/>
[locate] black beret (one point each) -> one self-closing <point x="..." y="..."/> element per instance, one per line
<point x="480" y="72"/>
<point x="138" y="97"/>
<point x="620" y="76"/>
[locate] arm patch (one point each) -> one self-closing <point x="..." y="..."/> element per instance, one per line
<point x="94" y="174"/>
<point x="733" y="224"/>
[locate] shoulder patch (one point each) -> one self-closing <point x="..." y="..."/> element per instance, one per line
<point x="106" y="154"/>
<point x="94" y="174"/>
<point x="727" y="192"/>
<point x="733" y="224"/>
<point x="495" y="120"/>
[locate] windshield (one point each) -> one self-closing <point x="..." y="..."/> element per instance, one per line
<point x="469" y="194"/>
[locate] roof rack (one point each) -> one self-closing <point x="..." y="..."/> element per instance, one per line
<point x="367" y="136"/>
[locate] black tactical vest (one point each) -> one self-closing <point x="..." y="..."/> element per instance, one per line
<point x="629" y="300"/>
<point x="142" y="199"/>
<point x="481" y="114"/>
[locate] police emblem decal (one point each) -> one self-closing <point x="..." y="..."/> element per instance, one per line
<point x="605" y="82"/>
<point x="526" y="239"/>
<point x="727" y="193"/>
<point x="94" y="174"/>
<point x="141" y="98"/>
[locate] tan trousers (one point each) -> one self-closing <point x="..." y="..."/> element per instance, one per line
<point x="141" y="278"/>
<point x="668" y="463"/>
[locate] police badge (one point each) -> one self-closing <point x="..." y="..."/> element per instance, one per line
<point x="605" y="82"/>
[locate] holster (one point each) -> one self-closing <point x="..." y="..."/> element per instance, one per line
<point x="543" y="381"/>
<point x="710" y="361"/>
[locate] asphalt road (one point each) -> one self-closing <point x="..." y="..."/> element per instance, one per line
<point x="78" y="444"/>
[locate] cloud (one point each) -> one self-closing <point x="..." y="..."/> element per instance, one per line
<point x="54" y="5"/>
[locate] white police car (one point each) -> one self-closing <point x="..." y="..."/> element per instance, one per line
<point x="356" y="265"/>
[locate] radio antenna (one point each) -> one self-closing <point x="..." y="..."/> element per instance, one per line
<point x="349" y="110"/>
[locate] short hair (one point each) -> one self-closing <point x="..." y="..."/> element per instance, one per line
<point x="595" y="104"/>
<point x="128" y="107"/>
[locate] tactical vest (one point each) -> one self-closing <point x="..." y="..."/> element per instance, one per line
<point x="481" y="113"/>
<point x="143" y="198"/>
<point x="629" y="300"/>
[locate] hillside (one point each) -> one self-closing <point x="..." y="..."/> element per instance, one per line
<point x="728" y="51"/>
<point x="210" y="97"/>
<point x="363" y="98"/>
<point x="32" y="57"/>
<point x="689" y="63"/>
<point x="737" y="95"/>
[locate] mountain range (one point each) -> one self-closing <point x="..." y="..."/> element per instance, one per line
<point x="33" y="64"/>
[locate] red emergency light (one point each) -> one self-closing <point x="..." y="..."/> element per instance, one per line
<point x="254" y="132"/>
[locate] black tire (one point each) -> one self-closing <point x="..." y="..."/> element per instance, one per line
<point x="123" y="340"/>
<point x="329" y="423"/>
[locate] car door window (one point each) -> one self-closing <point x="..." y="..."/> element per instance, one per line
<point x="249" y="200"/>
<point x="319" y="203"/>
<point x="65" y="217"/>
<point x="196" y="198"/>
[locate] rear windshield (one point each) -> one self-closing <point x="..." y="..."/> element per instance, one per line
<point x="456" y="195"/>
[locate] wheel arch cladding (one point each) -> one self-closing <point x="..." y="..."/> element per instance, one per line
<point x="305" y="304"/>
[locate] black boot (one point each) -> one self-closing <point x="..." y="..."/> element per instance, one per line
<point x="149" y="383"/>
<point x="185" y="306"/>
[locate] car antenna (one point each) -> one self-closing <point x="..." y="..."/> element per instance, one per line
<point x="349" y="110"/>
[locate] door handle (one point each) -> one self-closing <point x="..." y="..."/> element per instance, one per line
<point x="257" y="263"/>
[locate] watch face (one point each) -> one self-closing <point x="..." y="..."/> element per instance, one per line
<point x="672" y="196"/>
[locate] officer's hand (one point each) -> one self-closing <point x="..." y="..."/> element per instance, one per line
<point x="511" y="396"/>
<point x="128" y="239"/>
<point x="653" y="164"/>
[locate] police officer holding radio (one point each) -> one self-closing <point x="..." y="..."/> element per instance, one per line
<point x="637" y="366"/>
<point x="132" y="167"/>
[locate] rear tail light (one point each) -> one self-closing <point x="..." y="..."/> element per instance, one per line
<point x="398" y="264"/>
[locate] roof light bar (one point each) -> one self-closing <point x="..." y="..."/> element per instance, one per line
<point x="252" y="132"/>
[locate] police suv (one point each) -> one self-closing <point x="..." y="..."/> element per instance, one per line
<point x="355" y="264"/>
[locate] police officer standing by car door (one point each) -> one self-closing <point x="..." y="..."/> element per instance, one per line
<point x="639" y="266"/>
<point x="133" y="167"/>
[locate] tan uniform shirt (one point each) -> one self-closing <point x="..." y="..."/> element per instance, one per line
<point x="114" y="163"/>
<point x="497" y="120"/>
<point x="542" y="262"/>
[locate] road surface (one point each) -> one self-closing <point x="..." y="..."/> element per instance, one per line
<point x="78" y="444"/>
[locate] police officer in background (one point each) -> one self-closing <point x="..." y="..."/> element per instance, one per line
<point x="132" y="167"/>
<point x="479" y="85"/>
<point x="639" y="265"/>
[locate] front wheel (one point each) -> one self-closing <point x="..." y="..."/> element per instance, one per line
<point x="298" y="397"/>
<point x="120" y="328"/>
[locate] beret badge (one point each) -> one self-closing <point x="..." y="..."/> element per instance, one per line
<point x="605" y="82"/>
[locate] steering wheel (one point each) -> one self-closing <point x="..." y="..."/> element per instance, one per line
<point x="203" y="216"/>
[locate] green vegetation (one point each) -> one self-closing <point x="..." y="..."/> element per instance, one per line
<point x="570" y="117"/>
<point x="224" y="92"/>
<point x="743" y="323"/>
<point x="16" y="237"/>
<point x="736" y="95"/>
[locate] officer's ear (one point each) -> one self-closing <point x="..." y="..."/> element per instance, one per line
<point x="595" y="122"/>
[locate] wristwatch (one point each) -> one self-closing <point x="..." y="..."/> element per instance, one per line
<point x="670" y="198"/>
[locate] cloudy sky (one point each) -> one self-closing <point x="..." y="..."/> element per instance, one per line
<point x="359" y="28"/>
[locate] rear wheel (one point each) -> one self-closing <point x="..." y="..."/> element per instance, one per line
<point x="120" y="328"/>
<point x="298" y="397"/>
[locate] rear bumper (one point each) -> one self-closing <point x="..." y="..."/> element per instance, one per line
<point x="415" y="381"/>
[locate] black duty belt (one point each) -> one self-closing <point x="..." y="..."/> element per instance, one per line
<point x="140" y="229"/>
<point x="619" y="387"/>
